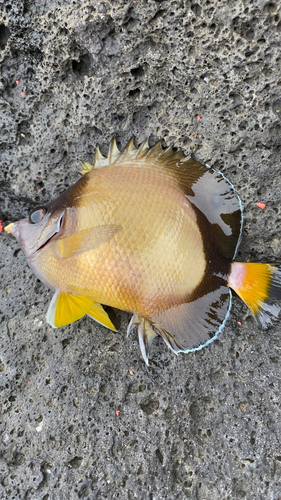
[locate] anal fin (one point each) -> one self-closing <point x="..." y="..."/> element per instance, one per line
<point x="193" y="325"/>
<point x="187" y="327"/>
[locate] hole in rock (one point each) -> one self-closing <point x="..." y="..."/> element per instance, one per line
<point x="81" y="67"/>
<point x="4" y="36"/>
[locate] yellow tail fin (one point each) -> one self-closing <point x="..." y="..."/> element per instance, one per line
<point x="259" y="286"/>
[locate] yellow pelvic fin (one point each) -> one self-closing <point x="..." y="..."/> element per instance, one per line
<point x="89" y="239"/>
<point x="8" y="228"/>
<point x="98" y="313"/>
<point x="66" y="308"/>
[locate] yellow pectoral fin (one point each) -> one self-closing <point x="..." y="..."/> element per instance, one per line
<point x="85" y="240"/>
<point x="66" y="308"/>
<point x="98" y="313"/>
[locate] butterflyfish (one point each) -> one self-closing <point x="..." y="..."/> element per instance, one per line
<point x="150" y="231"/>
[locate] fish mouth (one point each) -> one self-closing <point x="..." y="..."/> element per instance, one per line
<point x="45" y="244"/>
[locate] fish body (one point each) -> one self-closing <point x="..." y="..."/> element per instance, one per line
<point x="147" y="231"/>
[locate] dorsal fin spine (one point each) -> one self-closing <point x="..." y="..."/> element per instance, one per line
<point x="130" y="152"/>
<point x="143" y="149"/>
<point x="167" y="153"/>
<point x="100" y="160"/>
<point x="156" y="150"/>
<point x="113" y="152"/>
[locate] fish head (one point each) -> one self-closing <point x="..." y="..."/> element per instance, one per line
<point x="36" y="232"/>
<point x="46" y="223"/>
<point x="39" y="234"/>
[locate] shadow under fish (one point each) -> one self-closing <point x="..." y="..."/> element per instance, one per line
<point x="150" y="231"/>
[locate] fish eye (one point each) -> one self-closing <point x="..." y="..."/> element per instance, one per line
<point x="37" y="215"/>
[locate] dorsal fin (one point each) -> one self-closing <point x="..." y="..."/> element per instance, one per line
<point x="87" y="167"/>
<point x="113" y="152"/>
<point x="130" y="152"/>
<point x="143" y="149"/>
<point x="100" y="160"/>
<point x="156" y="150"/>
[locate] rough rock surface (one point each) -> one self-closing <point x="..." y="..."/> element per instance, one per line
<point x="204" y="75"/>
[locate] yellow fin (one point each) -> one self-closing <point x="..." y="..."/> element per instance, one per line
<point x="89" y="239"/>
<point x="259" y="286"/>
<point x="98" y="313"/>
<point x="66" y="308"/>
<point x="251" y="282"/>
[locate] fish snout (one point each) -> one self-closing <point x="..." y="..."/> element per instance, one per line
<point x="13" y="228"/>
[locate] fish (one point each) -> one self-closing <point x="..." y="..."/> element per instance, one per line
<point x="153" y="232"/>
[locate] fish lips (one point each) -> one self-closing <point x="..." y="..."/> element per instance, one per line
<point x="34" y="237"/>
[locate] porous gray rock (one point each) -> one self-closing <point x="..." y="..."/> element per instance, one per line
<point x="82" y="415"/>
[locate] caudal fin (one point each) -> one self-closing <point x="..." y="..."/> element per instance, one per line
<point x="259" y="286"/>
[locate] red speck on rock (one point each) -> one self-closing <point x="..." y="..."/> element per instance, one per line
<point x="117" y="413"/>
<point x="261" y="205"/>
<point x="1" y="226"/>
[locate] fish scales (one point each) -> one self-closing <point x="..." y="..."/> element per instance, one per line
<point x="152" y="232"/>
<point x="131" y="271"/>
